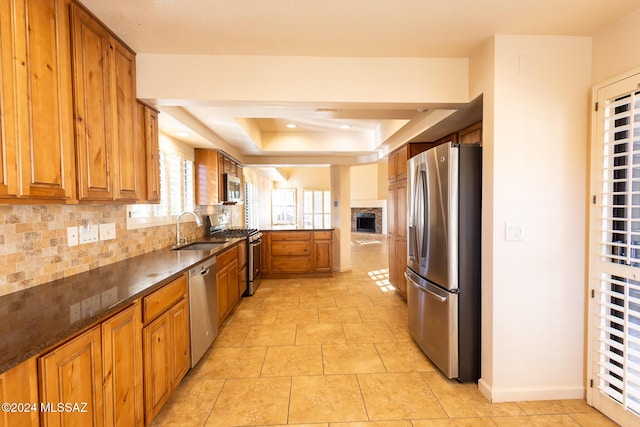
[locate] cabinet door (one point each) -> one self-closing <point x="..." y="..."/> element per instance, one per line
<point x="233" y="284"/>
<point x="323" y="255"/>
<point x="43" y="94"/>
<point x="181" y="343"/>
<point x="401" y="163"/>
<point x="393" y="266"/>
<point x="391" y="167"/>
<point x="8" y="101"/>
<point x="73" y="373"/>
<point x="122" y="365"/>
<point x="149" y="121"/>
<point x="391" y="217"/>
<point x="157" y="365"/>
<point x="222" y="282"/>
<point x="127" y="161"/>
<point x="401" y="266"/>
<point x="400" y="209"/>
<point x="20" y="385"/>
<point x="92" y="105"/>
<point x="206" y="164"/>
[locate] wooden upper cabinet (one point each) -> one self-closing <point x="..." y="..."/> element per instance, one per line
<point x="106" y="121"/>
<point x="471" y="134"/>
<point x="36" y="132"/>
<point x="149" y="176"/>
<point x="127" y="145"/>
<point x="207" y="181"/>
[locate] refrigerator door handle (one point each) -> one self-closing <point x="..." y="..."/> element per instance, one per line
<point x="425" y="290"/>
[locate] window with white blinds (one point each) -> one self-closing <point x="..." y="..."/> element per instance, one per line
<point x="176" y="190"/>
<point x="251" y="205"/>
<point x="616" y="297"/>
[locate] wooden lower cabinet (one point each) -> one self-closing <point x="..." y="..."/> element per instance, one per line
<point x="227" y="281"/>
<point x="166" y="344"/>
<point x="19" y="386"/>
<point x="122" y="367"/>
<point x="297" y="252"/>
<point x="73" y="373"/>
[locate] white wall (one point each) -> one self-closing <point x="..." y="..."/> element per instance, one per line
<point x="615" y="48"/>
<point x="537" y="173"/>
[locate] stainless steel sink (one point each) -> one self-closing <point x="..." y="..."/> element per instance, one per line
<point x="199" y="246"/>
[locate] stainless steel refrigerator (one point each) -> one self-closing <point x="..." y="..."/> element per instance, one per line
<point x="443" y="271"/>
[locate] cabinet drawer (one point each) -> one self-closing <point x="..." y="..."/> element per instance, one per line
<point x="322" y="235"/>
<point x="290" y="248"/>
<point x="161" y="300"/>
<point x="291" y="235"/>
<point x="226" y="257"/>
<point x="291" y="265"/>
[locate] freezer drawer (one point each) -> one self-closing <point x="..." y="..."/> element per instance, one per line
<point x="433" y="322"/>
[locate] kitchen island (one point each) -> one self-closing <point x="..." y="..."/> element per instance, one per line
<point x="294" y="252"/>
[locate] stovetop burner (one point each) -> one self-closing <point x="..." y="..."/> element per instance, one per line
<point x="235" y="232"/>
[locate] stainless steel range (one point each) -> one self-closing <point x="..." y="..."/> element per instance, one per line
<point x="217" y="225"/>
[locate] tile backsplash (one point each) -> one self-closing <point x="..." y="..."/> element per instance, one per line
<point x="34" y="250"/>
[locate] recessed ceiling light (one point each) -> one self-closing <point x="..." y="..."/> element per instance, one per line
<point x="345" y="126"/>
<point x="292" y="125"/>
<point x="182" y="133"/>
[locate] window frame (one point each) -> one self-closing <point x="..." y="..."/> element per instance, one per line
<point x="293" y="207"/>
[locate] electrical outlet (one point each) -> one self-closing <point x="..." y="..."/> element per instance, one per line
<point x="109" y="297"/>
<point x="72" y="236"/>
<point x="108" y="231"/>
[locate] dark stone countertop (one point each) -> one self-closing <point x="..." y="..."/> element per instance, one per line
<point x="36" y="319"/>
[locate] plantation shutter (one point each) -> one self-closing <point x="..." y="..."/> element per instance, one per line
<point x="615" y="303"/>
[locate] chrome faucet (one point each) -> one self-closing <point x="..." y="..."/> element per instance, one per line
<point x="179" y="238"/>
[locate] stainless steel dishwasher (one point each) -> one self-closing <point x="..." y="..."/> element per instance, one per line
<point x="203" y="308"/>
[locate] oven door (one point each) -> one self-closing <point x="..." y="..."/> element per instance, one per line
<point x="254" y="266"/>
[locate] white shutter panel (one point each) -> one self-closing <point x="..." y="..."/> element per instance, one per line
<point x="615" y="304"/>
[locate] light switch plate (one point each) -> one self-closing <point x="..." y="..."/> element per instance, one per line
<point x="514" y="232"/>
<point x="88" y="233"/>
<point x="108" y="231"/>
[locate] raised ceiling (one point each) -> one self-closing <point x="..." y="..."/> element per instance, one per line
<point x="331" y="28"/>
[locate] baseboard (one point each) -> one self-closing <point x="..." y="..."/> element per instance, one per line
<point x="338" y="269"/>
<point x="525" y="394"/>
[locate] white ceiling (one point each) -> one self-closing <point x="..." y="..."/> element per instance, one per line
<point x="334" y="28"/>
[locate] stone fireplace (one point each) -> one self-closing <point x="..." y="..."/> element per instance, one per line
<point x="368" y="220"/>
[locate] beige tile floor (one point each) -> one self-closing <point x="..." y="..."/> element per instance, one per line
<point x="337" y="352"/>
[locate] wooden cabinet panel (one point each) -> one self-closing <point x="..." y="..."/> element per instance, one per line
<point x="287" y="236"/>
<point x="401" y="265"/>
<point x="108" y="149"/>
<point x="149" y="175"/>
<point x="471" y="134"/>
<point x="73" y="373"/>
<point x="36" y="116"/>
<point x="157" y="365"/>
<point x="323" y="255"/>
<point x="207" y="181"/>
<point x="401" y="209"/>
<point x="122" y="368"/>
<point x="164" y="298"/>
<point x="393" y="267"/>
<point x="291" y="264"/>
<point x="92" y="105"/>
<point x="20" y="385"/>
<point x="228" y="282"/>
<point x="223" y="283"/>
<point x="127" y="147"/>
<point x="181" y="357"/>
<point x="290" y="248"/>
<point x="391" y="218"/>
<point x="401" y="163"/>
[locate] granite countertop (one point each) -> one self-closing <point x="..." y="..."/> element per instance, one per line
<point x="38" y="318"/>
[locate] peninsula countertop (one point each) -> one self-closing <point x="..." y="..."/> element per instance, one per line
<point x="36" y="319"/>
